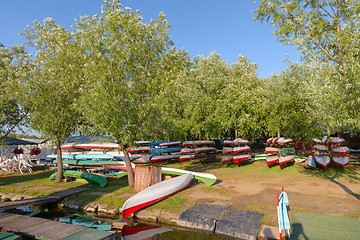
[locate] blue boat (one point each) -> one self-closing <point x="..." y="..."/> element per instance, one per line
<point x="87" y="221"/>
<point x="89" y="156"/>
<point x="283" y="214"/>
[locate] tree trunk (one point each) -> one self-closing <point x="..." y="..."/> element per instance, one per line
<point x="59" y="174"/>
<point x="129" y="169"/>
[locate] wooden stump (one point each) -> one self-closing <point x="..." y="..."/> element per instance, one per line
<point x="146" y="176"/>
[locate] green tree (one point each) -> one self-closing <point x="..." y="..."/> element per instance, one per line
<point x="219" y="99"/>
<point x="54" y="83"/>
<point x="328" y="32"/>
<point x="127" y="65"/>
<point x="14" y="63"/>
<point x="242" y="100"/>
<point x="293" y="96"/>
<point x="202" y="88"/>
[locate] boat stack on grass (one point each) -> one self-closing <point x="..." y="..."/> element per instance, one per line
<point x="236" y="151"/>
<point x="272" y="151"/>
<point x="166" y="151"/>
<point x="142" y="152"/>
<point x="227" y="152"/>
<point x="286" y="152"/>
<point x="321" y="153"/>
<point x="198" y="150"/>
<point x="279" y="150"/>
<point x="339" y="153"/>
<point x="241" y="151"/>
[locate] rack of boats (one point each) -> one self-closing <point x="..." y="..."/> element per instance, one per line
<point x="278" y="151"/>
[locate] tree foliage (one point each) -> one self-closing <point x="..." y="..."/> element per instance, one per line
<point x="54" y="83"/>
<point x="14" y="63"/>
<point x="326" y="31"/>
<point x="128" y="63"/>
<point x="218" y="99"/>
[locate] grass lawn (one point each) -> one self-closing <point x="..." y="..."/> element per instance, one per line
<point x="251" y="187"/>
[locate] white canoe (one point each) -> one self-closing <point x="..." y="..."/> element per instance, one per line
<point x="156" y="193"/>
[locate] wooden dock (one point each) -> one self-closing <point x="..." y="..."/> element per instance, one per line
<point x="44" y="228"/>
<point x="55" y="197"/>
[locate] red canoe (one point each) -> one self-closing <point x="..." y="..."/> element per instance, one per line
<point x="187" y="157"/>
<point x="271" y="160"/>
<point x="237" y="150"/>
<point x="241" y="158"/>
<point x="271" y="150"/>
<point x="160" y="158"/>
<point x="285" y="159"/>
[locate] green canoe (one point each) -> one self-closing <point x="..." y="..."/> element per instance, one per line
<point x="91" y="178"/>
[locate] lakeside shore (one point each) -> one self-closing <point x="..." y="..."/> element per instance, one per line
<point x="251" y="187"/>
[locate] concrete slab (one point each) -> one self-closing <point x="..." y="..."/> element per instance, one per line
<point x="239" y="224"/>
<point x="202" y="216"/>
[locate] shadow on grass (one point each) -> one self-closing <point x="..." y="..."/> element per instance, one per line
<point x="351" y="174"/>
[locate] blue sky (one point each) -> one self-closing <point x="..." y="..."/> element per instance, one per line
<point x="198" y="26"/>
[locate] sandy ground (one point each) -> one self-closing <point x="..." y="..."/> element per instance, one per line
<point x="333" y="192"/>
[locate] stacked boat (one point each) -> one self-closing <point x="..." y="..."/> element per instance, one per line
<point x="272" y="151"/>
<point x="321" y="153"/>
<point x="227" y="152"/>
<point x="279" y="151"/>
<point x="286" y="152"/>
<point x="198" y="150"/>
<point x="339" y="153"/>
<point x="166" y="151"/>
<point x="141" y="153"/>
<point x="236" y="151"/>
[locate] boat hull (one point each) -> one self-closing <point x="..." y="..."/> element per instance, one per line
<point x="241" y="158"/>
<point x="156" y="193"/>
<point x="341" y="161"/>
<point x="91" y="178"/>
<point x="272" y="160"/>
<point x="322" y="160"/>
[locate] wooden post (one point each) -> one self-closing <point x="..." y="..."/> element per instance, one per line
<point x="146" y="176"/>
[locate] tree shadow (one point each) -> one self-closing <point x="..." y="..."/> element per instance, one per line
<point x="298" y="231"/>
<point x="350" y="173"/>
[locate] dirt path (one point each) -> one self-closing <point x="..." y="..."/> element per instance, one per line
<point x="334" y="192"/>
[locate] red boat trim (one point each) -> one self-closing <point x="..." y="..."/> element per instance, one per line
<point x="238" y="159"/>
<point x="126" y="230"/>
<point x="341" y="165"/>
<point x="156" y="159"/>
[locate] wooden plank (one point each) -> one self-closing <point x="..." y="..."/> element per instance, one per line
<point x="63" y="231"/>
<point x="22" y="223"/>
<point x="45" y="228"/>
